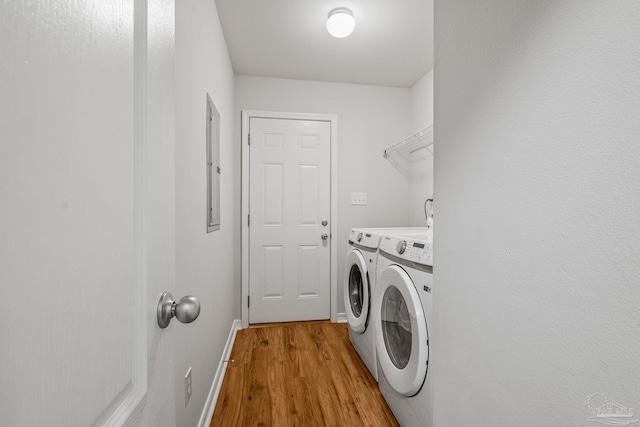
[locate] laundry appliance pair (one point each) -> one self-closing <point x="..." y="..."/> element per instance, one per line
<point x="360" y="275"/>
<point x="387" y="289"/>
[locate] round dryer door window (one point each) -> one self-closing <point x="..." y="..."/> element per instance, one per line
<point x="401" y="334"/>
<point x="396" y="327"/>
<point x="356" y="291"/>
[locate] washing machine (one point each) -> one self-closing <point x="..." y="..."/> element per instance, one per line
<point x="359" y="284"/>
<point x="402" y="307"/>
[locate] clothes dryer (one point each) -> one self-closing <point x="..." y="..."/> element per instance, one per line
<point x="359" y="285"/>
<point x="402" y="307"/>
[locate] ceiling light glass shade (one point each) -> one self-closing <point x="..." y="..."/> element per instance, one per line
<point x="340" y="23"/>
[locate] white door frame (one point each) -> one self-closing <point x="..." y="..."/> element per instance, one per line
<point x="333" y="229"/>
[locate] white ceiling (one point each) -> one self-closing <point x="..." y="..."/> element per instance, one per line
<point x="392" y="44"/>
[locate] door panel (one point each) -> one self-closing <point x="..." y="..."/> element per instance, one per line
<point x="309" y="259"/>
<point x="289" y="186"/>
<point x="309" y="195"/>
<point x="75" y="242"/>
<point x="272" y="185"/>
<point x="272" y="267"/>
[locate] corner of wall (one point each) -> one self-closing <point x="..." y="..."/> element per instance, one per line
<point x="421" y="177"/>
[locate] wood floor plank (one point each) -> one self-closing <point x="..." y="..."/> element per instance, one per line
<point x="307" y="412"/>
<point x="298" y="374"/>
<point x="226" y="407"/>
<point x="277" y="389"/>
<point x="258" y="396"/>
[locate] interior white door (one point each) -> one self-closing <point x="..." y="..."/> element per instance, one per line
<point x="87" y="212"/>
<point x="289" y="210"/>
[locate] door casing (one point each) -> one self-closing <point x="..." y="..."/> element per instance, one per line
<point x="333" y="223"/>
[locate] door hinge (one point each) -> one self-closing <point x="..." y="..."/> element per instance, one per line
<point x="248" y="139"/>
<point x="248" y="220"/>
<point x="248" y="300"/>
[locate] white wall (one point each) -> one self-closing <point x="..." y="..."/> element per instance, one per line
<point x="370" y="118"/>
<point x="421" y="180"/>
<point x="204" y="262"/>
<point x="536" y="289"/>
<point x="421" y="102"/>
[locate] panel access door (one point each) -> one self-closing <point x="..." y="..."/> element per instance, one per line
<point x="289" y="210"/>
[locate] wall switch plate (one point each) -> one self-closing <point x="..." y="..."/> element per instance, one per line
<point x="359" y="199"/>
<point x="187" y="387"/>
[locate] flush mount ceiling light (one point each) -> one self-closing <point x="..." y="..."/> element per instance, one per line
<point x="340" y="22"/>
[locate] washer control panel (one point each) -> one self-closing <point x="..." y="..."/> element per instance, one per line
<point x="363" y="238"/>
<point x="415" y="250"/>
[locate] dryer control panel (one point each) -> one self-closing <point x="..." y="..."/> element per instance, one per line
<point x="415" y="250"/>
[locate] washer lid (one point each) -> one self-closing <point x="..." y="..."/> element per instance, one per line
<point x="356" y="291"/>
<point x="402" y="337"/>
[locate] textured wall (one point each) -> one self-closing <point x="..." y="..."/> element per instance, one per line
<point x="370" y="118"/>
<point x="204" y="262"/>
<point x="537" y="279"/>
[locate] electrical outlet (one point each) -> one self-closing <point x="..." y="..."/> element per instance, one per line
<point x="359" y="199"/>
<point x="187" y="387"/>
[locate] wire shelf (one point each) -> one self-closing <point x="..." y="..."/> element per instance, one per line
<point x="417" y="146"/>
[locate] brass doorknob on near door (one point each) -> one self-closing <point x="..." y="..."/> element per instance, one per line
<point x="324" y="236"/>
<point x="186" y="310"/>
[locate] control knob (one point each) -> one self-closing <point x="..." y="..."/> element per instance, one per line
<point x="401" y="246"/>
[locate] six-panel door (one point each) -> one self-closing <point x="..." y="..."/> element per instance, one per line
<point x="289" y="261"/>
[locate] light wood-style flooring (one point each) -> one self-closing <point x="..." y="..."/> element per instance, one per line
<point x="298" y="374"/>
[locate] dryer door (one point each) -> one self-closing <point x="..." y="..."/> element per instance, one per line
<point x="356" y="291"/>
<point x="402" y="339"/>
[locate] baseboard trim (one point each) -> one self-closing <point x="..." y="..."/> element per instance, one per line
<point x="342" y="318"/>
<point x="210" y="404"/>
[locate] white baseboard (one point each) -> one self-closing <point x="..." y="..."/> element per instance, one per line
<point x="210" y="404"/>
<point x="342" y="318"/>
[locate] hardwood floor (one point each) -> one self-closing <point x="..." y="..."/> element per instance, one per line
<point x="298" y="374"/>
